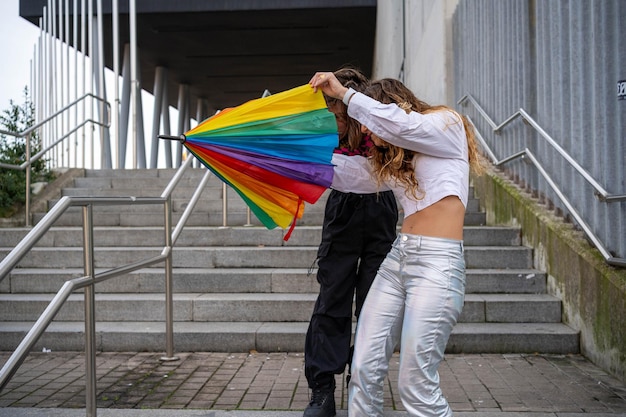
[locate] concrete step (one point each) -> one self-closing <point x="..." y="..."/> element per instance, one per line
<point x="143" y="183"/>
<point x="204" y="208"/>
<point x="248" y="280"/>
<point x="140" y="190"/>
<point x="255" y="307"/>
<point x="206" y="202"/>
<point x="240" y="288"/>
<point x="279" y="337"/>
<point x="237" y="216"/>
<point x="141" y="173"/>
<point x="230" y="236"/>
<point x="515" y="257"/>
<point x="208" y="211"/>
<point x="149" y="178"/>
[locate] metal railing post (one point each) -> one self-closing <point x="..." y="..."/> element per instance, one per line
<point x="169" y="285"/>
<point x="28" y="172"/>
<point x="90" y="321"/>
<point x="224" y="206"/>
<point x="248" y="217"/>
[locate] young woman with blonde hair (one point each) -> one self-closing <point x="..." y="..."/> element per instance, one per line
<point x="424" y="154"/>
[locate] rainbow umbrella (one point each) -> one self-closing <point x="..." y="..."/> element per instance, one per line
<point x="274" y="151"/>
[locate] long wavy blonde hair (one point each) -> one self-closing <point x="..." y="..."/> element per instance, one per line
<point x="395" y="163"/>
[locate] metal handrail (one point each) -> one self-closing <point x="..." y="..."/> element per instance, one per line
<point x="527" y="154"/>
<point x="601" y="193"/>
<point x="26" y="165"/>
<point x="57" y="113"/>
<point x="91" y="278"/>
<point x="87" y="282"/>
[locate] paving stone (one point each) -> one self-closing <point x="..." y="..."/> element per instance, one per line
<point x="488" y="383"/>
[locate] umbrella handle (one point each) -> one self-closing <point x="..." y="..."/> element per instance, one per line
<point x="181" y="138"/>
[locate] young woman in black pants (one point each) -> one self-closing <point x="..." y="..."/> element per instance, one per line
<point x="359" y="227"/>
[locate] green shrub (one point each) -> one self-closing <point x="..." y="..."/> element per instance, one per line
<point x="13" y="151"/>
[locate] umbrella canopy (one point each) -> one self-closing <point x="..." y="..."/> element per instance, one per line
<point x="274" y="151"/>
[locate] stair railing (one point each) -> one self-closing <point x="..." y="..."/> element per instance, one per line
<point x="600" y="192"/>
<point x="30" y="160"/>
<point x="90" y="278"/>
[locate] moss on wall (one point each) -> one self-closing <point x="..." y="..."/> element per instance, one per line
<point x="593" y="293"/>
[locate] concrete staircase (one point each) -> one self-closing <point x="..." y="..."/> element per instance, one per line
<point x="243" y="288"/>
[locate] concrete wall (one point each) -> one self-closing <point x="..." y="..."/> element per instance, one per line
<point x="414" y="44"/>
<point x="389" y="43"/>
<point x="593" y="293"/>
<point x="559" y="61"/>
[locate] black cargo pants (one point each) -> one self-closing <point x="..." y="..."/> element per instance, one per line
<point x="357" y="233"/>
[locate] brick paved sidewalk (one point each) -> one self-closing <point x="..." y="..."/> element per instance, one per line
<point x="275" y="381"/>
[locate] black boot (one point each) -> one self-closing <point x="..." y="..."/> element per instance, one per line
<point x="322" y="403"/>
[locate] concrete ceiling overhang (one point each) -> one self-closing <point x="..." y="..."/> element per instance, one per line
<point x="230" y="51"/>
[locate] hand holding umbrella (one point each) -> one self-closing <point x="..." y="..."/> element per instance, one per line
<point x="329" y="84"/>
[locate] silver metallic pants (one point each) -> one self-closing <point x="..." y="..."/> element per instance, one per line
<point x="416" y="299"/>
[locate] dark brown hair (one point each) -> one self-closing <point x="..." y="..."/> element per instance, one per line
<point x="351" y="78"/>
